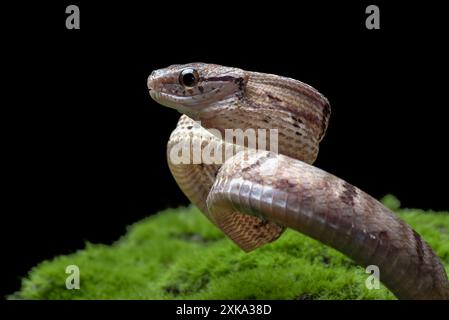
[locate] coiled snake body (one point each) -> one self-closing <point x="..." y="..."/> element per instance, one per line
<point x="253" y="196"/>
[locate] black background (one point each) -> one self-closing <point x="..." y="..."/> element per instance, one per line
<point x="84" y="145"/>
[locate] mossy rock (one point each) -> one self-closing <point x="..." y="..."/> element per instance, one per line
<point x="179" y="254"/>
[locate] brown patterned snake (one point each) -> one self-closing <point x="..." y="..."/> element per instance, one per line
<point x="253" y="196"/>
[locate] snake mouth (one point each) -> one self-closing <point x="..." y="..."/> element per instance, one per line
<point x="162" y="97"/>
<point x="181" y="102"/>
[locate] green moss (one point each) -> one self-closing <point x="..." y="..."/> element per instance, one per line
<point x="179" y="254"/>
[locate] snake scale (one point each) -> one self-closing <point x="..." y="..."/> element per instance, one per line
<point x="254" y="195"/>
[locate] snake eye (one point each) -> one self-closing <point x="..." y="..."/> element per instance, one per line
<point x="188" y="77"/>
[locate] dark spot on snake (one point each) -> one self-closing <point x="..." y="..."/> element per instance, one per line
<point x="348" y="194"/>
<point x="189" y="127"/>
<point x="296" y="119"/>
<point x="267" y="119"/>
<point x="239" y="82"/>
<point x="298" y="133"/>
<point x="419" y="246"/>
<point x="261" y="224"/>
<point x="383" y="236"/>
<point x="327" y="109"/>
<point x="273" y="98"/>
<point x="285" y="184"/>
<point x="325" y="119"/>
<point x="255" y="164"/>
<point x="201" y="89"/>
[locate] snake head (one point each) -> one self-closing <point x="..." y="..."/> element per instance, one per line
<point x="195" y="87"/>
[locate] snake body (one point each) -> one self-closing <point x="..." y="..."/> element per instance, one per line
<point x="254" y="195"/>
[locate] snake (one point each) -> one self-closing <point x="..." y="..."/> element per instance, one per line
<point x="256" y="193"/>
